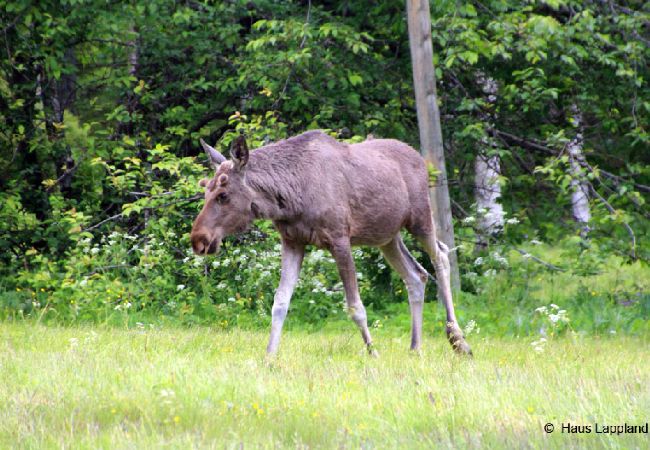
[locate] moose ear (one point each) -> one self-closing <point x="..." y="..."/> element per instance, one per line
<point x="216" y="158"/>
<point x="239" y="152"/>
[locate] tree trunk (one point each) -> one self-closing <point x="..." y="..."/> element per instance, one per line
<point x="488" y="192"/>
<point x="62" y="99"/>
<point x="579" y="186"/>
<point x="131" y="100"/>
<point x="488" y="170"/>
<point x="64" y="88"/>
<point x="424" y="81"/>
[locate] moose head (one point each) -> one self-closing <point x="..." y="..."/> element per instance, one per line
<point x="228" y="206"/>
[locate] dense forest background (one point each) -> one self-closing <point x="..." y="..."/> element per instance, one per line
<point x="103" y="103"/>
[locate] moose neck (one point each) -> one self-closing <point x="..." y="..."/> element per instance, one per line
<point x="276" y="188"/>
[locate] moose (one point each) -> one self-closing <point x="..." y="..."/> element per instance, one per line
<point x="332" y="195"/>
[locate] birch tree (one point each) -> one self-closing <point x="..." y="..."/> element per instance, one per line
<point x="487" y="169"/>
<point x="579" y="185"/>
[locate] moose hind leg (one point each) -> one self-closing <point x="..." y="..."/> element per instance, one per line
<point x="414" y="277"/>
<point x="342" y="253"/>
<point x="438" y="253"/>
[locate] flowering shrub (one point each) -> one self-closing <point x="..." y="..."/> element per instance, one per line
<point x="553" y="321"/>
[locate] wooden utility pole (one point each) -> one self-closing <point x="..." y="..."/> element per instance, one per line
<point x="424" y="81"/>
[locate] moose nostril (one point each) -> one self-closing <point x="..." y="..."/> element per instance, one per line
<point x="200" y="244"/>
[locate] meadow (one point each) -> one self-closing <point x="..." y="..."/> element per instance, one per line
<point x="174" y="387"/>
<point x="114" y="334"/>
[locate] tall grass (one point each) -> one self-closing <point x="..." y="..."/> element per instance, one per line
<point x="101" y="387"/>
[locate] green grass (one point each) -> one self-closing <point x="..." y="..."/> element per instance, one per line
<point x="84" y="387"/>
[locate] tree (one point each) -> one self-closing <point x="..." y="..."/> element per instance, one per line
<point x="424" y="82"/>
<point x="579" y="186"/>
<point x="488" y="169"/>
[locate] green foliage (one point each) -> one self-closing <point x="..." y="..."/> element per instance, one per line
<point x="102" y="105"/>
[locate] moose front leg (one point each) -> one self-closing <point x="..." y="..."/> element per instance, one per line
<point x="342" y="253"/>
<point x="292" y="256"/>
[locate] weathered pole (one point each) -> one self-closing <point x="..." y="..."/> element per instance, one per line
<point x="424" y="81"/>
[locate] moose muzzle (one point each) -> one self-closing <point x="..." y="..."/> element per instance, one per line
<point x="205" y="243"/>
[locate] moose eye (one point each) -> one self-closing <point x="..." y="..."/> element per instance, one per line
<point x="222" y="198"/>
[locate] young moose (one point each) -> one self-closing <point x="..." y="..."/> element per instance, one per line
<point x="333" y="195"/>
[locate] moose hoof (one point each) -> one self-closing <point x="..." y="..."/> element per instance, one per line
<point x="462" y="348"/>
<point x="458" y="342"/>
<point x="270" y="360"/>
<point x="372" y="351"/>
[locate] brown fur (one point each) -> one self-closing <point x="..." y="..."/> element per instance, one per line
<point x="316" y="189"/>
<point x="319" y="191"/>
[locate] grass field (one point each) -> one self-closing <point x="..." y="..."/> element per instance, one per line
<point x="178" y="388"/>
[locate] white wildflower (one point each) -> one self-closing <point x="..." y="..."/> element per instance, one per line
<point x="512" y="221"/>
<point x="180" y="287"/>
<point x="470" y="327"/>
<point x="167" y="393"/>
<point x="499" y="259"/>
<point x="539" y="345"/>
